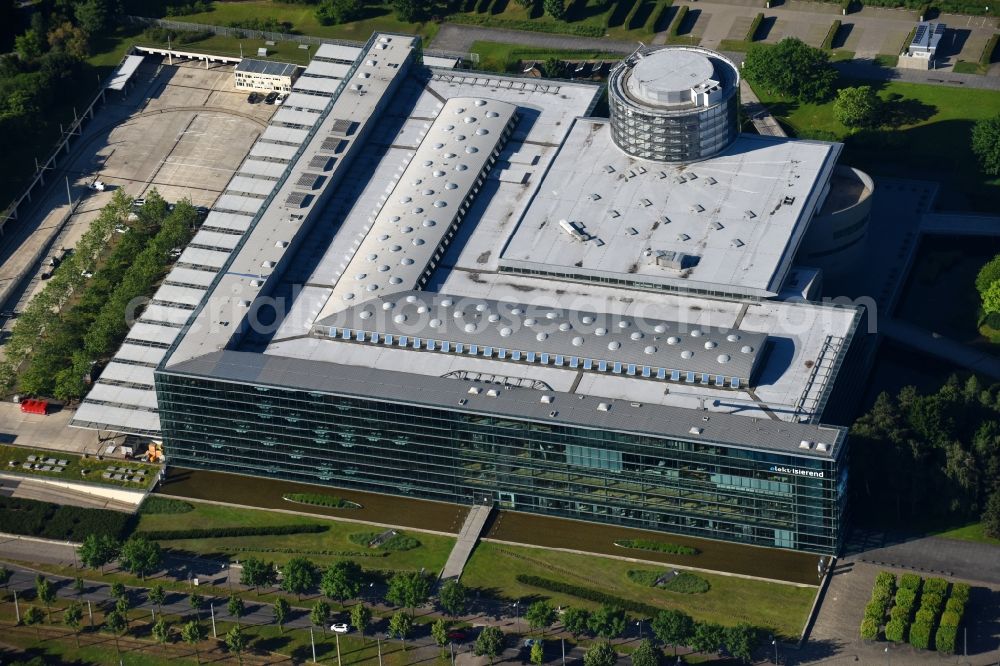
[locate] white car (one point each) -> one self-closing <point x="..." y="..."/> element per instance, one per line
<point x="339" y="628"/>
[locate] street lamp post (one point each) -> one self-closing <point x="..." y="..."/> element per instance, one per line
<point x="517" y="614"/>
<point x="638" y="623"/>
<point x="378" y="638"/>
<point x="774" y="642"/>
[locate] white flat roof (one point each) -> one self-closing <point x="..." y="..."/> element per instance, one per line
<point x="124" y="73"/>
<point x="246" y="185"/>
<point x="231" y="221"/>
<point x="301" y="100"/>
<point x="155" y="333"/>
<point x="150" y="356"/>
<point x="738" y="216"/>
<point x="165" y="314"/>
<point x="329" y="69"/>
<point x="120" y="419"/>
<point x="189" y="277"/>
<point x="215" y="240"/>
<point x="295" y="117"/>
<point x="338" y="52"/>
<point x="317" y="84"/>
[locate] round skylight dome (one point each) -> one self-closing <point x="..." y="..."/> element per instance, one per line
<point x="587" y="319"/>
<point x="614" y="344"/>
<point x="411" y="299"/>
<point x="435" y="323"/>
<point x="470" y="328"/>
<point x="400" y="318"/>
<point x="529" y="321"/>
<point x="732" y="337"/>
<point x="636" y="335"/>
<point x="395" y="280"/>
<point x="722" y="358"/>
<point x="418" y="241"/>
<point x="673" y="340"/>
<point x="349" y="296"/>
<point x="710" y="344"/>
<point x="746" y="349"/>
<point x="577" y="341"/>
<point x="447" y="302"/>
<point x="388" y="305"/>
<point x="541" y="336"/>
<point x="565" y="326"/>
<point x="506" y="331"/>
<point x="687" y="354"/>
<point x="601" y="331"/>
<point x="650" y="349"/>
<point x="623" y="324"/>
<point x="366" y="314"/>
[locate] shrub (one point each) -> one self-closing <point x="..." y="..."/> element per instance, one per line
<point x="961" y="592"/>
<point x="657" y="546"/>
<point x="831" y="35"/>
<point x="587" y="593"/>
<point x="881" y="596"/>
<point x="950" y="619"/>
<point x="954" y="605"/>
<point x="906" y="597"/>
<point x="754" y="27"/>
<point x="931" y="602"/>
<point x="895" y="631"/>
<point x="52" y="521"/>
<point x="318" y="499"/>
<point x="155" y="504"/>
<point x="194" y="533"/>
<point x="644" y="576"/>
<point x="925" y="616"/>
<point x="944" y="639"/>
<point x="687" y="583"/>
<point x="920" y="635"/>
<point x="938" y="586"/>
<point x="910" y="581"/>
<point x="397" y="542"/>
<point x="900" y="613"/>
<point x="875" y="611"/>
<point x="869" y="629"/>
<point x="885" y="579"/>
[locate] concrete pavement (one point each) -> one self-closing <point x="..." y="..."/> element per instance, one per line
<point x="468" y="537"/>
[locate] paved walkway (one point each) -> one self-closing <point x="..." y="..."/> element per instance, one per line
<point x="927" y="555"/>
<point x="982" y="363"/>
<point x="759" y="115"/>
<point x="468" y="537"/>
<point x="958" y="224"/>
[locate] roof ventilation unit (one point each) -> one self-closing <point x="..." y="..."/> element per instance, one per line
<point x="604" y="407"/>
<point x="696" y="430"/>
<point x="574" y="229"/>
<point x="805" y="444"/>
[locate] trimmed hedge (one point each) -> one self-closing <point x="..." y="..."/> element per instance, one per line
<point x="154" y="504"/>
<point x="895" y="631"/>
<point x="687" y="583"/>
<point x="69" y="523"/>
<point x="217" y="532"/>
<point x="987" y="56"/>
<point x="678" y="21"/>
<point x="533" y="26"/>
<point x="657" y="546"/>
<point x="319" y="499"/>
<point x="925" y="616"/>
<point x="938" y="586"/>
<point x="754" y="26"/>
<point x="961" y="592"/>
<point x="869" y="629"/>
<point x="300" y="551"/>
<point x="831" y="35"/>
<point x="587" y="593"/>
<point x="909" y="581"/>
<point x="906" y="598"/>
<point x="398" y="542"/>
<point x="931" y="602"/>
<point x="920" y="635"/>
<point x="901" y="613"/>
<point x="944" y="639"/>
<point x="950" y="619"/>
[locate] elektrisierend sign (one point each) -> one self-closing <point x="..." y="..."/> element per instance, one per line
<point x="817" y="474"/>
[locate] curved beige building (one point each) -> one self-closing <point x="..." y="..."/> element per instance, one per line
<point x="836" y="238"/>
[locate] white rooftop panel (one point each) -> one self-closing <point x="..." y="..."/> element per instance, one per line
<point x="273" y="151"/>
<point x="737" y="218"/>
<point x="233" y="221"/>
<point x="131" y="374"/>
<point x="294" y="117"/>
<point x="140" y="353"/>
<point x="215" y="240"/>
<point x="298" y="100"/>
<point x="125" y="72"/>
<point x="190" y="277"/>
<point x="284" y="135"/>
<point x="328" y="86"/>
<point x="169" y="293"/>
<point x="207" y="258"/>
<point x="329" y="69"/>
<point x="243" y="184"/>
<point x="120" y="419"/>
<point x="165" y="314"/>
<point x="234" y="202"/>
<point x="338" y="52"/>
<point x="144" y="332"/>
<point x="122" y="396"/>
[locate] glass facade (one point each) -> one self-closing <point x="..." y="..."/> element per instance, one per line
<point x="699" y="488"/>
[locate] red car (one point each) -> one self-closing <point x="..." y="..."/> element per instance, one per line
<point x="457" y="635"/>
<point x="32" y="406"/>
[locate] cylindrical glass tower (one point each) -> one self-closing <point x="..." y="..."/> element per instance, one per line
<point x="674" y="104"/>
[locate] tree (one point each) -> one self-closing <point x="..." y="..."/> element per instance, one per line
<point x="439" y="631"/>
<point x="72" y="617"/>
<point x="118" y="590"/>
<point x="986" y="144"/>
<point x="122" y="606"/>
<point x="161" y="632"/>
<point x="452" y="597"/>
<point x="408" y="589"/>
<point x="740" y="641"/>
<point x="708" y="637"/>
<point x="116" y="623"/>
<point x="97" y="551"/>
<point x="540" y="615"/>
<point x="489" y="643"/>
<point x="607" y="622"/>
<point x="257" y="573"/>
<point x="281" y="609"/>
<point x="300" y="576"/>
<point x="361" y="617"/>
<point x="791" y="68"/>
<point x="991" y="298"/>
<point x="673" y="627"/>
<point x="319" y="614"/>
<point x="537" y="655"/>
<point x="600" y="654"/>
<point x="410" y="11"/>
<point x="45" y="593"/>
<point x="193" y="633"/>
<point x="236" y="607"/>
<point x="33" y="617"/>
<point x="78" y="585"/>
<point x="94" y="16"/>
<point x="342" y="580"/>
<point x="991" y="516"/>
<point x="857" y="106"/>
<point x="988" y="274"/>
<point x="555" y="8"/>
<point x="236" y="641"/>
<point x="335" y="12"/>
<point x="157" y="595"/>
<point x="141" y="556"/>
<point x="29" y="46"/>
<point x="400" y="625"/>
<point x="197" y="602"/>
<point x="69" y="39"/>
<point x="576" y="620"/>
<point x="646" y="654"/>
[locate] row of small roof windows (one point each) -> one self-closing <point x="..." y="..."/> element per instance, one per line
<point x="544" y="358"/>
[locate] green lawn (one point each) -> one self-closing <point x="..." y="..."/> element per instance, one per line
<point x="931" y="141"/>
<point x="966" y="67"/>
<point x="501" y="57"/>
<point x="777" y="607"/>
<point x="323" y="547"/>
<point x="970" y="532"/>
<point x="303" y="19"/>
